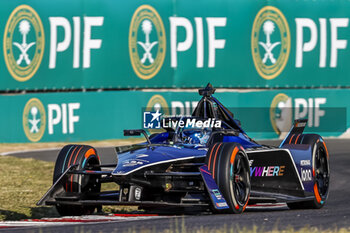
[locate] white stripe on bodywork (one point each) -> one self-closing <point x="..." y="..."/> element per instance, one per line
<point x="156" y="163"/>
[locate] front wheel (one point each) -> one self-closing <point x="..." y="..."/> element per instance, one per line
<point x="85" y="157"/>
<point x="229" y="166"/>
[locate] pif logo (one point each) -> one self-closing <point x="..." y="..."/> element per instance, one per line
<point x="34" y="119"/>
<point x="62" y="116"/>
<point x="158" y="104"/>
<point x="270" y="42"/>
<point x="147" y="42"/>
<point x="285" y="109"/>
<point x="24" y="43"/>
<point x="281" y="113"/>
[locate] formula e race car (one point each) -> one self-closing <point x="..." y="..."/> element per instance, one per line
<point x="203" y="162"/>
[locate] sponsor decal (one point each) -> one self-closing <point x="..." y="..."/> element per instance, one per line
<point x="305" y="162"/>
<point x="142" y="156"/>
<point x="24" y="43"/>
<point x="138" y="193"/>
<point x="306" y="175"/>
<point x="221" y="204"/>
<point x="270" y="42"/>
<point x="267" y="171"/>
<point x="300" y="124"/>
<point x="134" y="162"/>
<point x="147" y="42"/>
<point x="217" y="194"/>
<point x="119" y="173"/>
<point x="220" y="198"/>
<point x="34" y="120"/>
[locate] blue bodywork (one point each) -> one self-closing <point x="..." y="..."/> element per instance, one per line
<point x="141" y="158"/>
<point x="282" y="173"/>
<point x="161" y="151"/>
<point x="215" y="195"/>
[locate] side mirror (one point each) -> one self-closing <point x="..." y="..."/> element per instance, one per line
<point x="136" y="132"/>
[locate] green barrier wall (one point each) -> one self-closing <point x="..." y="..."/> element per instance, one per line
<point x="173" y="43"/>
<point x="103" y="115"/>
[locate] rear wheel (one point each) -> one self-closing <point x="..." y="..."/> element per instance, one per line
<point x="84" y="157"/>
<point x="229" y="166"/>
<point x="320" y="172"/>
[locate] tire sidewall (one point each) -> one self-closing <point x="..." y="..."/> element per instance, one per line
<point x="241" y="206"/>
<point x="70" y="155"/>
<point x="222" y="175"/>
<point x="74" y="155"/>
<point x="316" y="142"/>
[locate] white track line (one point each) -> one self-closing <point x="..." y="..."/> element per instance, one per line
<point x="72" y="220"/>
<point x="28" y="151"/>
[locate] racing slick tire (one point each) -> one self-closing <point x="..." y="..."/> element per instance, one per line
<point x="83" y="156"/>
<point x="320" y="172"/>
<point x="229" y="166"/>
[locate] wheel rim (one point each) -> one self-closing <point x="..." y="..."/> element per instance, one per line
<point x="240" y="180"/>
<point x="321" y="172"/>
<point x="89" y="183"/>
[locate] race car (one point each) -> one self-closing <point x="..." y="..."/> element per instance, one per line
<point x="204" y="162"/>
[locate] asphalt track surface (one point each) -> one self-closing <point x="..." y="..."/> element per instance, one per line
<point x="335" y="214"/>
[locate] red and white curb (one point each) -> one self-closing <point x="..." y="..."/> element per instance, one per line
<point x="107" y="218"/>
<point x="77" y="220"/>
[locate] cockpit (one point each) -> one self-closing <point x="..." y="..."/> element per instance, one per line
<point x="209" y="110"/>
<point x="195" y="130"/>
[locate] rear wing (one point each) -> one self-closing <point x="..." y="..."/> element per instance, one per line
<point x="296" y="130"/>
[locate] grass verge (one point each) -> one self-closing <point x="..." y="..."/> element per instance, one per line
<point x="23" y="182"/>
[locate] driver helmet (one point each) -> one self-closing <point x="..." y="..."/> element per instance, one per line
<point x="197" y="136"/>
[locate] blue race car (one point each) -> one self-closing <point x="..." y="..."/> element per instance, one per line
<point x="203" y="162"/>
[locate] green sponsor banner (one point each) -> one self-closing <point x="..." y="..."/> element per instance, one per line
<point x="69" y="116"/>
<point x="79" y="116"/>
<point x="173" y="43"/>
<point x="270" y="114"/>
